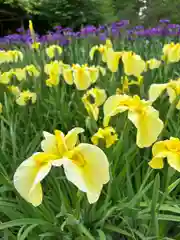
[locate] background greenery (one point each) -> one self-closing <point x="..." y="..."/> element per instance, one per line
<point x="47" y="13"/>
<point x="137" y="204"/>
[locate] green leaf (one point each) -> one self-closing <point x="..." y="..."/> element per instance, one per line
<point x="23" y="221"/>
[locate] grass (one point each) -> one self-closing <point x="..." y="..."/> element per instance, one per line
<point x="137" y="203"/>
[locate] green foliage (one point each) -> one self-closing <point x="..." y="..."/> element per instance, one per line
<point x="157" y="9"/>
<point x="138" y="202"/>
<point x="128" y="9"/>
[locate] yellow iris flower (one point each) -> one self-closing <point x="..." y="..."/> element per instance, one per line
<point x="113" y="59"/>
<point x="85" y="165"/>
<point x="36" y="45"/>
<point x="50" y="51"/>
<point x="153" y="63"/>
<point x="20" y="73"/>
<point x="25" y="97"/>
<point x="171" y="52"/>
<point x="32" y="70"/>
<point x="133" y="64"/>
<point x="3" y="56"/>
<point x="92" y="100"/>
<point x="172" y="87"/>
<point x="14" y="55"/>
<point x="81" y="75"/>
<point x="5" y="77"/>
<point x="108" y="55"/>
<point x="107" y="134"/>
<point x="102" y="50"/>
<point x="140" y="113"/>
<point x="68" y="74"/>
<point x="14" y="90"/>
<point x="169" y="149"/>
<point x="10" y="56"/>
<point x="54" y="70"/>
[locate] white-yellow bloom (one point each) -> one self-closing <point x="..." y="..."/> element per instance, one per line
<point x="140" y="113"/>
<point x="172" y="87"/>
<point x="85" y="165"/>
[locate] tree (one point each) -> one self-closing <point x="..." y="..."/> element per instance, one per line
<point x="128" y="9"/>
<point x="161" y="9"/>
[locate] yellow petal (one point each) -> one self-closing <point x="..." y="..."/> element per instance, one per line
<point x="174" y="160"/>
<point x="75" y="174"/>
<point x="21" y="101"/>
<point x="153" y="63"/>
<point x="148" y="125"/>
<point x="91" y="176"/>
<point x="94" y="74"/>
<point x="156" y="90"/>
<point x="82" y="79"/>
<point x="114" y="105"/>
<point x="41" y="174"/>
<point x="68" y="76"/>
<point x="24" y="179"/>
<point x="92" y="110"/>
<point x="178" y="105"/>
<point x="94" y="158"/>
<point x="48" y="145"/>
<point x="71" y="138"/>
<point x="172" y="94"/>
<point x="156" y="163"/>
<point x="92" y="51"/>
<point x="159" y="148"/>
<point x="113" y="59"/>
<point x="133" y="64"/>
<point x="93" y="196"/>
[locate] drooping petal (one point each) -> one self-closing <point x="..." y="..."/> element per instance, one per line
<point x="174" y="160"/>
<point x="113" y="59"/>
<point x="68" y="76"/>
<point x="82" y="79"/>
<point x="148" y="125"/>
<point x="96" y="167"/>
<point x="41" y="174"/>
<point x="159" y="148"/>
<point x="75" y="174"/>
<point x="133" y="64"/>
<point x="114" y="105"/>
<point x="93" y="197"/>
<point x="24" y="179"/>
<point x="156" y="90"/>
<point x="88" y="170"/>
<point x="156" y="163"/>
<point x="71" y="138"/>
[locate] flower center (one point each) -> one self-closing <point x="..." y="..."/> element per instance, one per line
<point x="76" y="157"/>
<point x="173" y="146"/>
<point x="60" y="142"/>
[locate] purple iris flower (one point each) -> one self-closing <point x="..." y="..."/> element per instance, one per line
<point x="164" y="21"/>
